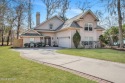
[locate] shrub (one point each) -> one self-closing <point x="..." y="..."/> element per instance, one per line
<point x="76" y="39"/>
<point x="26" y="44"/>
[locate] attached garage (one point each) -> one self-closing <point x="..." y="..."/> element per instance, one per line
<point x="64" y="42"/>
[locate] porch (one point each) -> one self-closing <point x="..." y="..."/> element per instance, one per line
<point x="41" y="41"/>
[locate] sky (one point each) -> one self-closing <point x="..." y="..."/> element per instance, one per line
<point x="38" y="6"/>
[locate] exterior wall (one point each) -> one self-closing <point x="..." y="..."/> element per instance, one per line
<point x="99" y="32"/>
<point x="37" y="39"/>
<point x="88" y="18"/>
<point x="55" y="21"/>
<point x="27" y="39"/>
<point x="65" y="33"/>
<point x="50" y="34"/>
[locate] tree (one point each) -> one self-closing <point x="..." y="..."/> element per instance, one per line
<point x="76" y="39"/>
<point x="3" y="9"/>
<point x="103" y="40"/>
<point x="116" y="7"/>
<point x="21" y="10"/>
<point x="30" y="14"/>
<point x="120" y="23"/>
<point x="84" y="5"/>
<point x="51" y="6"/>
<point x="11" y="17"/>
<point x="63" y="8"/>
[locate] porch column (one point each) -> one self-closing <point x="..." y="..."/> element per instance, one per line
<point x="43" y="40"/>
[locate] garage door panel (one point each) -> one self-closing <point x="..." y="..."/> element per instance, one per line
<point x="64" y="42"/>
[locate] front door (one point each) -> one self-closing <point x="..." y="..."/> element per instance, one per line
<point x="48" y="41"/>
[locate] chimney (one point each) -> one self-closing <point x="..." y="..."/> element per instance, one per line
<point x="37" y="18"/>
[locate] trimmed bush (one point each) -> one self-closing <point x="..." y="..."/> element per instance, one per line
<point x="76" y="39"/>
<point x="27" y="45"/>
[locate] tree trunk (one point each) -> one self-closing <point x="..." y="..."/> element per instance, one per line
<point x="120" y="23"/>
<point x="111" y="40"/>
<point x="47" y="16"/>
<point x="18" y="27"/>
<point x="8" y="37"/>
<point x="2" y="36"/>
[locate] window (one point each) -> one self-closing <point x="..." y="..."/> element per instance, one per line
<point x="88" y="40"/>
<point x="31" y="40"/>
<point x="88" y="27"/>
<point x="50" y="26"/>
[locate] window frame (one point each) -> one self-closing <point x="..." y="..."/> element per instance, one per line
<point x="88" y="40"/>
<point x="88" y="26"/>
<point x="50" y="26"/>
<point x="32" y="40"/>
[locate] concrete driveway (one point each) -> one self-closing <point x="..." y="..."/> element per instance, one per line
<point x="114" y="72"/>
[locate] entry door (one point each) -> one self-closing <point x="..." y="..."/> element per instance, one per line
<point x="48" y="41"/>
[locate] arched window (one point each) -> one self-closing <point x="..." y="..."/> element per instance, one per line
<point x="88" y="27"/>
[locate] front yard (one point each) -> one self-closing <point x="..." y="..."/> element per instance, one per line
<point x="103" y="54"/>
<point x="14" y="69"/>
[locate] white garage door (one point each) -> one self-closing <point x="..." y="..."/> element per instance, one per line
<point x="64" y="42"/>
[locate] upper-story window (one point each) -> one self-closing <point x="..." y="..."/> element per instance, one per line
<point x="88" y="27"/>
<point x="50" y="26"/>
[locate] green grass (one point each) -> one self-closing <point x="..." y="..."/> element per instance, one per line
<point x="14" y="69"/>
<point x="103" y="54"/>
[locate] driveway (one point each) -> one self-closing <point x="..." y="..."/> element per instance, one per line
<point x="111" y="71"/>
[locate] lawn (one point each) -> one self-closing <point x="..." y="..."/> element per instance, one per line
<point x="14" y="69"/>
<point x="103" y="54"/>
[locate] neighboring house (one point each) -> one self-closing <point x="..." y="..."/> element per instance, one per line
<point x="55" y="30"/>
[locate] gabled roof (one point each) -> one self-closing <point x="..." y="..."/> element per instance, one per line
<point x="70" y="22"/>
<point x="89" y="11"/>
<point x="49" y="20"/>
<point x="31" y="32"/>
<point x="99" y="27"/>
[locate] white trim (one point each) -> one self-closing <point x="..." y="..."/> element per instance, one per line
<point x="31" y="36"/>
<point x="30" y="30"/>
<point x="86" y="13"/>
<point x="88" y="25"/>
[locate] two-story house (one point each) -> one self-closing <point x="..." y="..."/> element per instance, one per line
<point x="56" y="30"/>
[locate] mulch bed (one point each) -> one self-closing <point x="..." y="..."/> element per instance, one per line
<point x="119" y="49"/>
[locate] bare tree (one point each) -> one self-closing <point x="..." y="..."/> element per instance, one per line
<point x="51" y="6"/>
<point x="30" y="13"/>
<point x="99" y="14"/>
<point x="84" y="5"/>
<point x="3" y="8"/>
<point x="11" y="22"/>
<point x="64" y="6"/>
<point x="21" y="10"/>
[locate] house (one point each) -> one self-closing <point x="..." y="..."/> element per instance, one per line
<point x="60" y="32"/>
